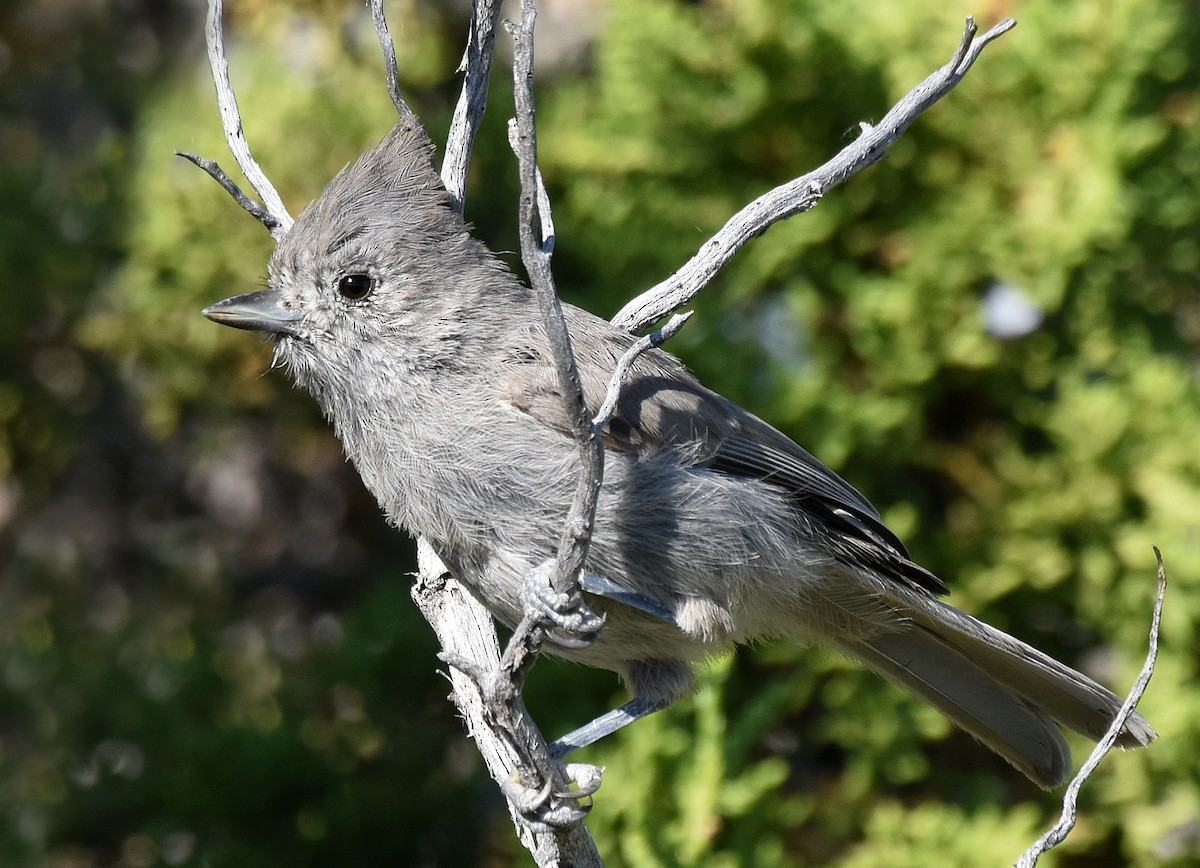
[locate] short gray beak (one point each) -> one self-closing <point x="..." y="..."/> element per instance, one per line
<point x="258" y="311"/>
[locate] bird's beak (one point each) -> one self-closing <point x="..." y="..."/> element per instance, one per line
<point x="258" y="311"/>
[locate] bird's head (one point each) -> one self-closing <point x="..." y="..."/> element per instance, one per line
<point x="374" y="281"/>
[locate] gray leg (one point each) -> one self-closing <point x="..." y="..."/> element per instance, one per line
<point x="605" y="724"/>
<point x="655" y="685"/>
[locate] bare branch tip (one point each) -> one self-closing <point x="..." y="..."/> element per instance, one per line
<point x="672" y="327"/>
<point x="254" y="209"/>
<point x="972" y="43"/>
<point x="1158" y="601"/>
<point x="996" y="31"/>
<point x="389" y="60"/>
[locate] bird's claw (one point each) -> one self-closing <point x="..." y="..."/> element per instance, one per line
<point x="570" y="622"/>
<point x="546" y="809"/>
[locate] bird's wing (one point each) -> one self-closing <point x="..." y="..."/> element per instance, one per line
<point x="662" y="405"/>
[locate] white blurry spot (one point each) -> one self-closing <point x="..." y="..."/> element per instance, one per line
<point x="231" y="484"/>
<point x="1177" y="842"/>
<point x="782" y="331"/>
<point x="109" y="609"/>
<point x="160" y="682"/>
<point x="120" y="758"/>
<point x="326" y="630"/>
<point x="288" y="636"/>
<point x="1009" y="313"/>
<point x="178" y="847"/>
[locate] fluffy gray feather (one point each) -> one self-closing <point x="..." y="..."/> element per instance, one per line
<point x="428" y="356"/>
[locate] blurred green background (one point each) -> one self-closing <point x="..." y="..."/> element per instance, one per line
<point x="207" y="652"/>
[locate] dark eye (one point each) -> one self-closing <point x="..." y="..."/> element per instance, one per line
<point x="355" y="286"/>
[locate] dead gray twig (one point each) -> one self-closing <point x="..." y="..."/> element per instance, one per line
<point x="235" y="135"/>
<point x="804" y="192"/>
<point x="476" y="67"/>
<point x="1070" y="810"/>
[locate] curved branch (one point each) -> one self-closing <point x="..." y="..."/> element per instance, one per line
<point x="804" y="192"/>
<point x="235" y="135"/>
<point x="1070" y="810"/>
<point x="625" y="363"/>
<point x="391" y="67"/>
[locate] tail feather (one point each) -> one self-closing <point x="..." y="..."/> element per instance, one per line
<point x="1003" y="692"/>
<point x="920" y="662"/>
<point x="1071" y="698"/>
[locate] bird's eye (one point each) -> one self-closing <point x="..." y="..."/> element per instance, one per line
<point x="355" y="287"/>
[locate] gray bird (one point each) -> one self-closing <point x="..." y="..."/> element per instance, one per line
<point x="712" y="529"/>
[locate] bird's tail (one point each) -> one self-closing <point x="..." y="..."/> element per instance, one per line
<point x="1005" y="693"/>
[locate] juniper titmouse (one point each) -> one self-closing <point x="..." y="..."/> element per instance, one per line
<point x="712" y="528"/>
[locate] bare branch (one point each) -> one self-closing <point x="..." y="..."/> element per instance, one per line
<point x="1070" y="810"/>
<point x="257" y="211"/>
<point x="535" y="253"/>
<point x="546" y="219"/>
<point x="389" y="61"/>
<point x="545" y="809"/>
<point x="654" y="339"/>
<point x="472" y="101"/>
<point x="804" y="192"/>
<point x="465" y="632"/>
<point x="231" y="120"/>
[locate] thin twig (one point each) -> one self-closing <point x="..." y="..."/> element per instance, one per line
<point x="655" y="339"/>
<point x="545" y="216"/>
<point x="804" y="192"/>
<point x="231" y="120"/>
<point x="1070" y="810"/>
<point x="389" y="61"/>
<point x="257" y="211"/>
<point x="523" y="648"/>
<point x="535" y="253"/>
<point x="472" y="100"/>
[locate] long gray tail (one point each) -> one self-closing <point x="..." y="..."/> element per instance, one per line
<point x="1003" y="692"/>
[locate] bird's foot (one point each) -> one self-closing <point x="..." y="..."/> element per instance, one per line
<point x="549" y="807"/>
<point x="569" y="621"/>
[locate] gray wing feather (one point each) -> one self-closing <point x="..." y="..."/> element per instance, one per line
<point x="662" y="405"/>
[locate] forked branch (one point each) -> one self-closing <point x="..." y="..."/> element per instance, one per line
<point x="272" y="212"/>
<point x="804" y="192"/>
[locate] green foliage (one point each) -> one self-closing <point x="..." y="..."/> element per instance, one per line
<point x="208" y="656"/>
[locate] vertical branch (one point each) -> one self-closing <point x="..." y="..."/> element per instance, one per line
<point x="476" y="67"/>
<point x="535" y="253"/>
<point x="391" y="67"/>
<point x="231" y="120"/>
<point x="487" y="685"/>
